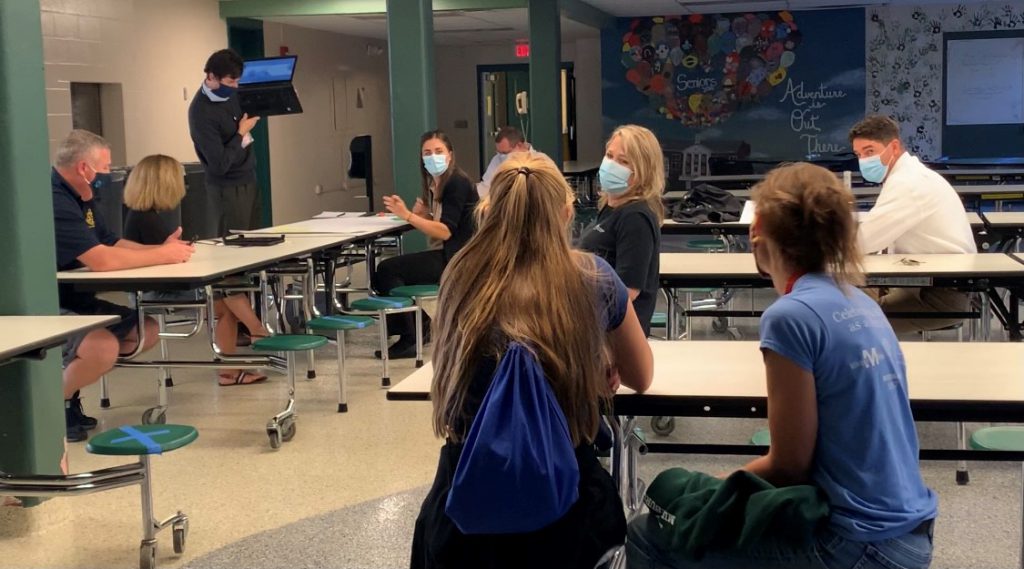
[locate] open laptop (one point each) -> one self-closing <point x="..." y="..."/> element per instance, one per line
<point x="265" y="88"/>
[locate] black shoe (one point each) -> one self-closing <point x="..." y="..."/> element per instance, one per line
<point x="86" y="422"/>
<point x="401" y="350"/>
<point x="75" y="432"/>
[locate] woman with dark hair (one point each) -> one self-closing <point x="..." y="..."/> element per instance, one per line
<point x="444" y="212"/>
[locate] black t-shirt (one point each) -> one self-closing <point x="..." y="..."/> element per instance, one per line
<point x="78" y="226"/>
<point x="147" y="227"/>
<point x="458" y="200"/>
<point x="628" y="238"/>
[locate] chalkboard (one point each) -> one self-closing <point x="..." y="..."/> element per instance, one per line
<point x="759" y="86"/>
<point x="983" y="94"/>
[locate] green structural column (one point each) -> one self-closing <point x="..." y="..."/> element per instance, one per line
<point x="31" y="408"/>
<point x="545" y="77"/>
<point x="245" y="36"/>
<point x="413" y="107"/>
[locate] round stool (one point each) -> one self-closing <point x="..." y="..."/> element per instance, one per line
<point x="281" y="427"/>
<point x="142" y="441"/>
<point x="417" y="293"/>
<point x="708" y="245"/>
<point x="340" y="323"/>
<point x="762" y="438"/>
<point x="1005" y="439"/>
<point x="381" y="306"/>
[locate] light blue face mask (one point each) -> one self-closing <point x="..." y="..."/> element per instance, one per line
<point x="872" y="169"/>
<point x="614" y="177"/>
<point x="436" y="164"/>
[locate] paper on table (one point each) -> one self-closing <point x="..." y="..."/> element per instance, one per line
<point x="747" y="215"/>
<point x="333" y="214"/>
<point x="342" y="225"/>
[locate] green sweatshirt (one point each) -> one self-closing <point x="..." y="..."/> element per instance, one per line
<point x="696" y="512"/>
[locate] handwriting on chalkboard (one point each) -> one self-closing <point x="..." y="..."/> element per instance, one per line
<point x="803" y="119"/>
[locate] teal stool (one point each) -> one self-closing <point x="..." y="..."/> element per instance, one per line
<point x="1005" y="439"/>
<point x="381" y="306"/>
<point x="142" y="441"/>
<point x="709" y="245"/>
<point x="762" y="438"/>
<point x="340" y="324"/>
<point x="417" y="293"/>
<point x="281" y="427"/>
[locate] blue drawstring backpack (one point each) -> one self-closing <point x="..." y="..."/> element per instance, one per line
<point x="517" y="472"/>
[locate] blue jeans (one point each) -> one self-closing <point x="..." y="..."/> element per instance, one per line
<point x="829" y="551"/>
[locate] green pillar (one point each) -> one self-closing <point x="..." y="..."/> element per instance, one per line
<point x="545" y="77"/>
<point x="413" y="107"/>
<point x="245" y="36"/>
<point x="31" y="408"/>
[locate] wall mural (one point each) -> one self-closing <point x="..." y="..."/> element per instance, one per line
<point x="754" y="86"/>
<point x="904" y="62"/>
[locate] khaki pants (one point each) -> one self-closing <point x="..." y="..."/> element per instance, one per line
<point x="929" y="299"/>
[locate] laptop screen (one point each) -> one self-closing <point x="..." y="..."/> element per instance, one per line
<point x="269" y="70"/>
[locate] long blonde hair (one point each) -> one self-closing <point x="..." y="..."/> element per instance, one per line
<point x="647" y="162"/>
<point x="808" y="212"/>
<point x="518" y="279"/>
<point x="156" y="183"/>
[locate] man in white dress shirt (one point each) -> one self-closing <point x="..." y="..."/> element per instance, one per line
<point x="917" y="211"/>
<point x="508" y="140"/>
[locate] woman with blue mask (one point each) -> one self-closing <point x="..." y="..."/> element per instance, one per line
<point x="444" y="212"/>
<point x="627" y="231"/>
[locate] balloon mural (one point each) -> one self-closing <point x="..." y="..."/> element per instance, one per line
<point x="700" y="69"/>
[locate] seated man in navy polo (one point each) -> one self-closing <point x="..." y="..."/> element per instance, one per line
<point x="81" y="166"/>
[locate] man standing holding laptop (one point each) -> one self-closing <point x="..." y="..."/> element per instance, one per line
<point x="221" y="134"/>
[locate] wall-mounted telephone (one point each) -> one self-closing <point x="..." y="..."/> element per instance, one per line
<point x="522" y="105"/>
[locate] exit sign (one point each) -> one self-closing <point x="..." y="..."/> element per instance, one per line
<point x="522" y="50"/>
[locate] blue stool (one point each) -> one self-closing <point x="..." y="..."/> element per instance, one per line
<point x="340" y="324"/>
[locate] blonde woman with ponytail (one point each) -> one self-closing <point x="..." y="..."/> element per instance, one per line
<point x="518" y="280"/>
<point x="627" y="232"/>
<point x="838" y="409"/>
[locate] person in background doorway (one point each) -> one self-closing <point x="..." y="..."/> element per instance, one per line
<point x="917" y="211"/>
<point x="627" y="232"/>
<point x="82" y="166"/>
<point x="155" y="188"/>
<point x="508" y="140"/>
<point x="444" y="212"/>
<point x="222" y="137"/>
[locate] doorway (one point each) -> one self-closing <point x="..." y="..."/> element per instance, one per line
<point x="504" y="100"/>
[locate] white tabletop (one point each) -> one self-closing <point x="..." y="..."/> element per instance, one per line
<point x="24" y="334"/>
<point x="936" y="371"/>
<point x="865" y="192"/>
<point x="741" y="265"/>
<point x="208" y="264"/>
<point x="351" y="225"/>
<point x="997" y="219"/>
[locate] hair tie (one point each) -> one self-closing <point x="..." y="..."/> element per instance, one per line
<point x="524" y="171"/>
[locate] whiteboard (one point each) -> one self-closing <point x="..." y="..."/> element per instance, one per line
<point x="985" y="81"/>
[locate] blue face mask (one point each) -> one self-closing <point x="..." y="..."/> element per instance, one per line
<point x="224" y="91"/>
<point x="436" y="164"/>
<point x="100" y="181"/>
<point x="872" y="169"/>
<point x="614" y="177"/>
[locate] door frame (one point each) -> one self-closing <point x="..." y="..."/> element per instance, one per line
<point x="499" y="67"/>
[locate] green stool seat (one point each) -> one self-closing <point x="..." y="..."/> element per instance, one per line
<point x="141" y="439"/>
<point x="413" y="291"/>
<point x="375" y="303"/>
<point x="698" y="289"/>
<point x="998" y="438"/>
<point x="706" y="244"/>
<point x="289" y="343"/>
<point x="340" y="322"/>
<point x="659" y="320"/>
<point x="762" y="438"/>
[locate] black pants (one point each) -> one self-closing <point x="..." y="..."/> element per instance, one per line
<point x="232" y="207"/>
<point x="420" y="268"/>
